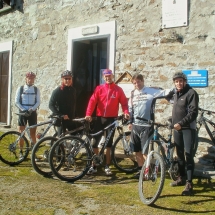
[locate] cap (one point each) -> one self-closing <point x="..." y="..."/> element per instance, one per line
<point x="107" y="72"/>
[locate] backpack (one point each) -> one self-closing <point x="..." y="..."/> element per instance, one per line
<point x="21" y="92"/>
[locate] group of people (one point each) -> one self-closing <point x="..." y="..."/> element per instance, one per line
<point x="106" y="99"/>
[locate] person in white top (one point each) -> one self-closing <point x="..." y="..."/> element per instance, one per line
<point x="141" y="104"/>
<point x="28" y="100"/>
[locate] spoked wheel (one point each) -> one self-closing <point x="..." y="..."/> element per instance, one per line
<point x="151" y="179"/>
<point x="70" y="158"/>
<point x="124" y="159"/>
<point x="11" y="151"/>
<point x="174" y="168"/>
<point x="40" y="155"/>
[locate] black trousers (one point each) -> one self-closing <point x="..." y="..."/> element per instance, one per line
<point x="184" y="141"/>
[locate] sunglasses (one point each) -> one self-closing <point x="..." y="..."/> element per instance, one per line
<point x="67" y="79"/>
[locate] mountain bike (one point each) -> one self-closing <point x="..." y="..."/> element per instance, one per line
<point x="11" y="152"/>
<point x="160" y="157"/>
<point x="208" y="124"/>
<point x="77" y="154"/>
<point x="41" y="150"/>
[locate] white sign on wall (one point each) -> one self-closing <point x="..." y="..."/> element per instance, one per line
<point x="174" y="13"/>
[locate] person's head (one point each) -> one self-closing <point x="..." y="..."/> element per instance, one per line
<point x="138" y="81"/>
<point x="108" y="76"/>
<point x="66" y="77"/>
<point x="30" y="77"/>
<point x="180" y="80"/>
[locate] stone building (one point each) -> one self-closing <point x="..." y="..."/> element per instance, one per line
<point x="48" y="36"/>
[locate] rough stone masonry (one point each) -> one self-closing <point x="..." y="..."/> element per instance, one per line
<point x="39" y="33"/>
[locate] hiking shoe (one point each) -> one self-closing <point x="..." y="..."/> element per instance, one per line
<point x="137" y="175"/>
<point x="178" y="182"/>
<point x="108" y="171"/>
<point x="92" y="170"/>
<point x="188" y="190"/>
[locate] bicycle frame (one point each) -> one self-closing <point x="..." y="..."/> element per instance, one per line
<point x="169" y="145"/>
<point x="114" y="125"/>
<point x="27" y="130"/>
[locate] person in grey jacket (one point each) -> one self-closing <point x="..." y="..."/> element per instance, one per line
<point x="184" y="114"/>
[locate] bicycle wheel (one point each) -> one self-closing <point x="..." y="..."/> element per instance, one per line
<point x="123" y="160"/>
<point x="74" y="157"/>
<point x="151" y="180"/>
<point x="40" y="155"/>
<point x="174" y="168"/>
<point x="196" y="142"/>
<point x="10" y="151"/>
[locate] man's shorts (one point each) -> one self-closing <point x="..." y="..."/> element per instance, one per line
<point x="140" y="138"/>
<point x="31" y="120"/>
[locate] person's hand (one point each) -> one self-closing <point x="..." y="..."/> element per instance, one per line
<point x="65" y="117"/>
<point x="177" y="126"/>
<point x="130" y="126"/>
<point x="127" y="116"/>
<point x="88" y="118"/>
<point x="30" y="110"/>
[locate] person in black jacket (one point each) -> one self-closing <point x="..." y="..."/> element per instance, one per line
<point x="184" y="114"/>
<point x="63" y="101"/>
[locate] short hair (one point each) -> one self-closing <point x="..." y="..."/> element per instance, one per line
<point x="137" y="76"/>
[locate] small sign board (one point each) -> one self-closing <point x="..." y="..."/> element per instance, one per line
<point x="197" y="78"/>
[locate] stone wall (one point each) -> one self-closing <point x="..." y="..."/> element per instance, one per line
<point x="39" y="31"/>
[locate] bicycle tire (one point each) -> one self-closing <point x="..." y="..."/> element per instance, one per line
<point x="40" y="155"/>
<point x="75" y="156"/>
<point x="9" y="154"/>
<point x="174" y="168"/>
<point x="123" y="161"/>
<point x="150" y="185"/>
<point x="196" y="142"/>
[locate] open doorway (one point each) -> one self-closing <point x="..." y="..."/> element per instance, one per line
<point x="89" y="57"/>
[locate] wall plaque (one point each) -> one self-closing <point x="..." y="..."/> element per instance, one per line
<point x="90" y="30"/>
<point x="174" y="13"/>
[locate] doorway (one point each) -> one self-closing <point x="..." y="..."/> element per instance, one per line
<point x="89" y="58"/>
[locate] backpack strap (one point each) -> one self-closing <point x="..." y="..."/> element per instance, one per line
<point x="21" y="92"/>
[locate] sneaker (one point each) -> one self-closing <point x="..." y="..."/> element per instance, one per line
<point x="92" y="170"/>
<point x="21" y="155"/>
<point x="178" y="182"/>
<point x="137" y="175"/>
<point x="108" y="171"/>
<point x="188" y="190"/>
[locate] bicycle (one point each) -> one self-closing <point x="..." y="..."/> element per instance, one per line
<point x="78" y="154"/>
<point x="202" y="120"/>
<point x="9" y="142"/>
<point x="41" y="150"/>
<point x="152" y="175"/>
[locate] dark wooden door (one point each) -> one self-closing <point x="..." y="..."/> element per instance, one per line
<point x="4" y="77"/>
<point x="88" y="58"/>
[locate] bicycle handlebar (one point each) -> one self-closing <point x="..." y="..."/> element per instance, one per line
<point x="209" y="112"/>
<point x="151" y="122"/>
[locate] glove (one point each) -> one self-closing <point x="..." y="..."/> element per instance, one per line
<point x="30" y="110"/>
<point x="27" y="114"/>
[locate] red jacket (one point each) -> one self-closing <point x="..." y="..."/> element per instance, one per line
<point x="107" y="98"/>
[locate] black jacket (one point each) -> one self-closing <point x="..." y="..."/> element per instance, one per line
<point x="63" y="102"/>
<point x="185" y="107"/>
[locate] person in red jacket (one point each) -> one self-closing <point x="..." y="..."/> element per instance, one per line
<point x="106" y="99"/>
